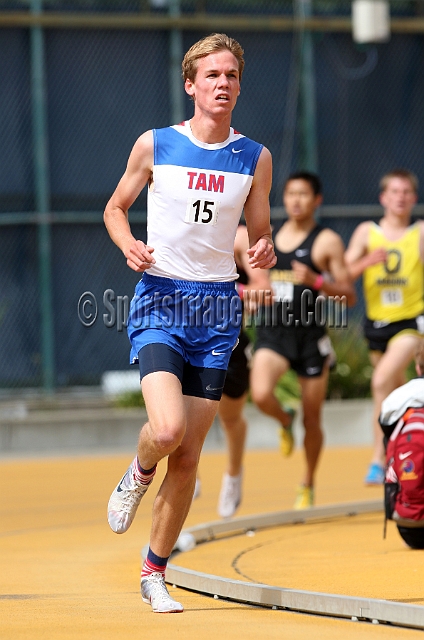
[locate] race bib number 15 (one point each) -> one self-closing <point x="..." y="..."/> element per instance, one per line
<point x="202" y="211"/>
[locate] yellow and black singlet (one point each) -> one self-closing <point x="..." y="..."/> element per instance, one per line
<point x="393" y="289"/>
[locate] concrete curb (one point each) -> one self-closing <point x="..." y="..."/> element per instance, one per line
<point x="345" y="422"/>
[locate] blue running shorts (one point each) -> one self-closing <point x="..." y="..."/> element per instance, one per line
<point x="199" y="320"/>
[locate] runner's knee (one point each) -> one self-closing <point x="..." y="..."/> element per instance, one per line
<point x="167" y="437"/>
<point x="184" y="464"/>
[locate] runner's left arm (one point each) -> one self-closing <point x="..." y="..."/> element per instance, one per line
<point x="258" y="285"/>
<point x="257" y="214"/>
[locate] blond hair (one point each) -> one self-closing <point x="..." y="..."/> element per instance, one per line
<point x="405" y="174"/>
<point x="204" y="47"/>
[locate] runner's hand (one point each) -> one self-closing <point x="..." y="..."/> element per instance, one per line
<point x="262" y="255"/>
<point x="139" y="256"/>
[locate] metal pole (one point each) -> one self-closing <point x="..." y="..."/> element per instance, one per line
<point x="308" y="154"/>
<point x="42" y="196"/>
<point x="175" y="59"/>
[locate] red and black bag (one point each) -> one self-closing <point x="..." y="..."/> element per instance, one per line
<point x="404" y="483"/>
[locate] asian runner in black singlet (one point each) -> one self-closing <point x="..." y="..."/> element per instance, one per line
<point x="292" y="331"/>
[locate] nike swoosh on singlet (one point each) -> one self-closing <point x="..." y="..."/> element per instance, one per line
<point x="402" y="456"/>
<point x="300" y="253"/>
<point x="236" y="150"/>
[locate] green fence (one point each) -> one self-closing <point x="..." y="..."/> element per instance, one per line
<point x="81" y="80"/>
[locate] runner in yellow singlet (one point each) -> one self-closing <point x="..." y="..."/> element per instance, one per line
<point x="390" y="255"/>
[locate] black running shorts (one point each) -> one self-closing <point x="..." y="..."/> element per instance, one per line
<point x="379" y="334"/>
<point x="306" y="348"/>
<point x="237" y="380"/>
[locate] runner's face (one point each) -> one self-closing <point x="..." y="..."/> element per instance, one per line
<point x="217" y="85"/>
<point x="300" y="200"/>
<point x="399" y="197"/>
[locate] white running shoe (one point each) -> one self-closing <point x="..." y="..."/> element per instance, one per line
<point x="230" y="496"/>
<point x="154" y="592"/>
<point x="124" y="502"/>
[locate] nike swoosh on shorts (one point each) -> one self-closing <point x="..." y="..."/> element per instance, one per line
<point x="209" y="388"/>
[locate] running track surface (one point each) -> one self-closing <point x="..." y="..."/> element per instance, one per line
<point x="65" y="575"/>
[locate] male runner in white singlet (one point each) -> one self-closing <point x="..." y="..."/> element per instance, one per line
<point x="185" y="316"/>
